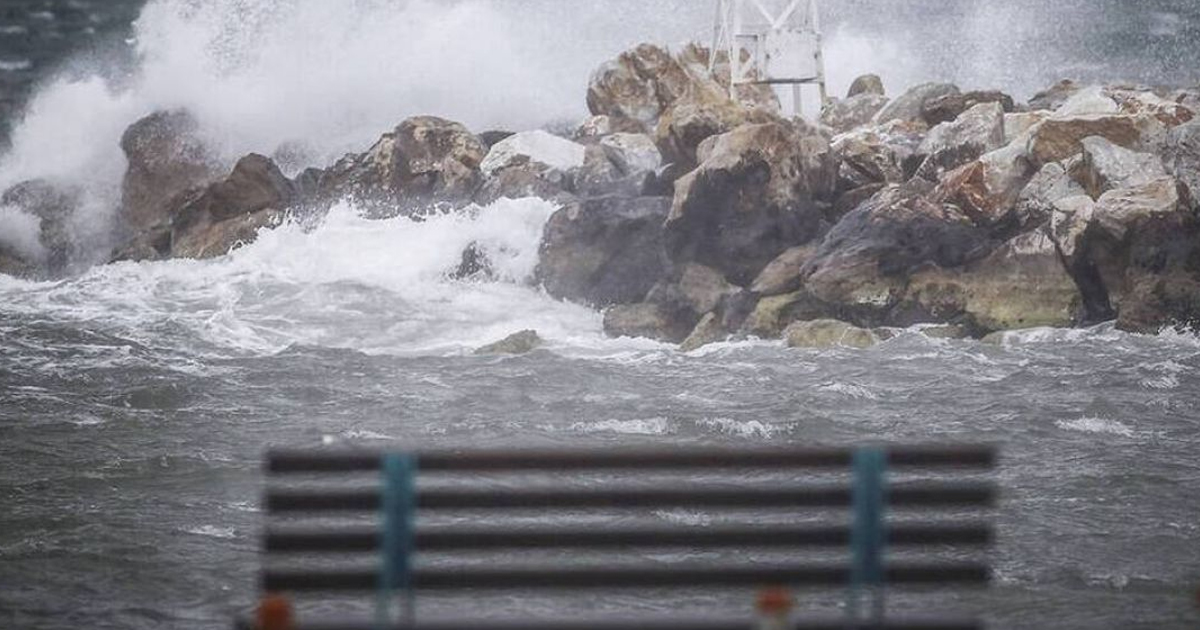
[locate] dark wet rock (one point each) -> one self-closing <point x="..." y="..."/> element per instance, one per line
<point x="425" y="161"/>
<point x="862" y="265"/>
<point x="492" y="137"/>
<point x="853" y="112"/>
<point x="474" y="265"/>
<point x="212" y="220"/>
<point x="909" y="106"/>
<point x="522" y="342"/>
<point x="604" y="250"/>
<point x="166" y="156"/>
<point x="1022" y="284"/>
<point x="866" y="84"/>
<point x="754" y="197"/>
<point x="828" y="333"/>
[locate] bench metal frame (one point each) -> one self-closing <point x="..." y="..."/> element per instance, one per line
<point x="919" y="496"/>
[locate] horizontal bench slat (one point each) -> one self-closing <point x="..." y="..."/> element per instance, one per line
<point x="931" y="494"/>
<point x="827" y="623"/>
<point x="967" y="573"/>
<point x="291" y="461"/>
<point x="367" y="539"/>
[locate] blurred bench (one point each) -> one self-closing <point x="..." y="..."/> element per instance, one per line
<point x="397" y="555"/>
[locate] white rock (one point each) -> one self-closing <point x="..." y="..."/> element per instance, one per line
<point x="540" y="147"/>
<point x="637" y="150"/>
<point x="1090" y="100"/>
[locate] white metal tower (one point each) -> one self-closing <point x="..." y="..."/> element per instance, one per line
<point x="776" y="42"/>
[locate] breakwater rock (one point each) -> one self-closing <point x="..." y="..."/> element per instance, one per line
<point x="691" y="212"/>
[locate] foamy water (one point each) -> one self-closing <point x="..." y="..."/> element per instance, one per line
<point x="137" y="398"/>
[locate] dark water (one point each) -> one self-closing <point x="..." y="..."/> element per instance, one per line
<point x="128" y="472"/>
<point x="38" y="36"/>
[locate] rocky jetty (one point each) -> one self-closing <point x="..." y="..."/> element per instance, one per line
<point x="692" y="214"/>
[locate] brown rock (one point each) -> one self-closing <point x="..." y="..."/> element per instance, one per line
<point x="212" y="220"/>
<point x="423" y="162"/>
<point x="1056" y="139"/>
<point x="753" y="198"/>
<point x="166" y="156"/>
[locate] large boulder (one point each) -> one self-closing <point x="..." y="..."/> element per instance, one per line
<point x="640" y="85"/>
<point x="539" y="150"/>
<point x="166" y="156"/>
<point x="752" y="198"/>
<point x="1058" y="138"/>
<point x="604" y="250"/>
<point x="863" y="264"/>
<point x="909" y="106"/>
<point x="1106" y="166"/>
<point x="987" y="189"/>
<point x="1134" y="254"/>
<point x="425" y="161"/>
<point x="212" y="220"/>
<point x="530" y="164"/>
<point x="676" y="98"/>
<point x="1022" y="284"/>
<point x="949" y="145"/>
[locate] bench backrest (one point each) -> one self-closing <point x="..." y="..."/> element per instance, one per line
<point x="405" y="491"/>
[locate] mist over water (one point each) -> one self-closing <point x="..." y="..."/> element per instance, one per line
<point x="135" y="398"/>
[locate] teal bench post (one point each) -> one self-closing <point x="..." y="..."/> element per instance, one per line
<point x="388" y="558"/>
